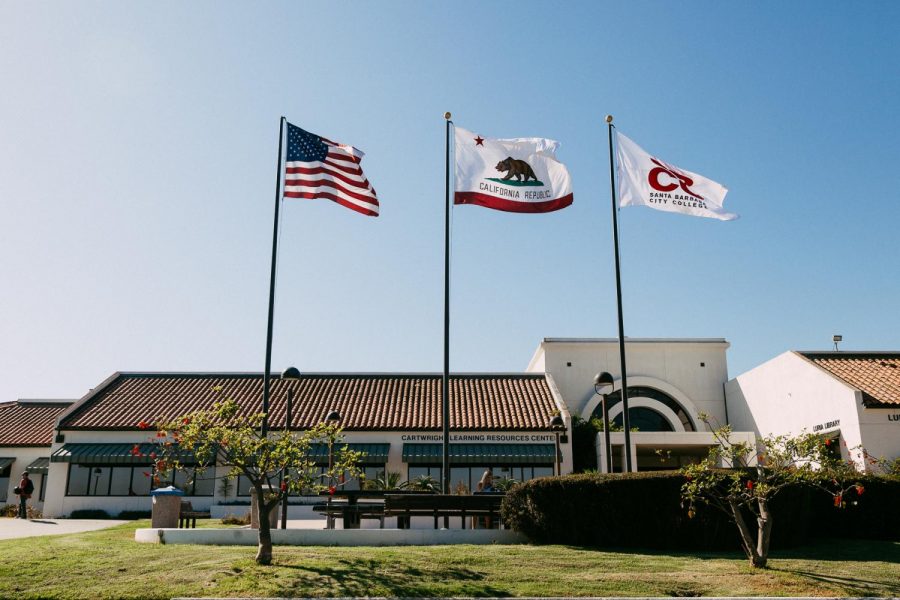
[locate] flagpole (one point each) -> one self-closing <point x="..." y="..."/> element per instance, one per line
<point x="612" y="183"/>
<point x="268" y="372"/>
<point x="445" y="379"/>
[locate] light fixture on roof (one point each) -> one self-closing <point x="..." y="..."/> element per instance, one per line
<point x="291" y="373"/>
<point x="837" y="338"/>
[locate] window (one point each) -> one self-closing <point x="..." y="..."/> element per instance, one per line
<point x="650" y="419"/>
<point x="102" y="480"/>
<point x="4" y="482"/>
<point x="417" y="471"/>
<point x="469" y="476"/>
<point x="645" y="419"/>
<point x="79" y="475"/>
<point x="140" y="481"/>
<point x="205" y="483"/>
<point x="121" y="481"/>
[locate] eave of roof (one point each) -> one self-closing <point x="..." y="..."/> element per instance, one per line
<point x="879" y="387"/>
<point x="29" y="423"/>
<point x="368" y="401"/>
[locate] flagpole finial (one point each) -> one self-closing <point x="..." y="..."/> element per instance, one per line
<point x="447" y="116"/>
<point x="609" y="118"/>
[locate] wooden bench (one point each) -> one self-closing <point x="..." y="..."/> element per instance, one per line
<point x="187" y="517"/>
<point x="439" y="505"/>
<point x="351" y="513"/>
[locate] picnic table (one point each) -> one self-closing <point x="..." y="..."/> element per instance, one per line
<point x="351" y="506"/>
<point x="479" y="505"/>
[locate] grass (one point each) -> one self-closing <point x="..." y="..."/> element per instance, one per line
<point x="109" y="564"/>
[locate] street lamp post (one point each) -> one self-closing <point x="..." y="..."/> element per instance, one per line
<point x="289" y="373"/>
<point x="557" y="426"/>
<point x="601" y="382"/>
<point x="332" y="418"/>
<point x="97" y="472"/>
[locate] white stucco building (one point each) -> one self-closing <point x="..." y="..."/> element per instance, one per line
<point x="501" y="421"/>
<point x="670" y="382"/>
<point x="851" y="397"/>
<point x="26" y="434"/>
<point x="498" y="420"/>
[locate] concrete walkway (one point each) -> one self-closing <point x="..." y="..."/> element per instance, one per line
<point x="21" y="528"/>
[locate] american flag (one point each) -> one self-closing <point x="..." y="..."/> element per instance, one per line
<point x="316" y="167"/>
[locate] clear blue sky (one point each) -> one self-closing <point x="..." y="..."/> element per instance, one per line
<point x="137" y="170"/>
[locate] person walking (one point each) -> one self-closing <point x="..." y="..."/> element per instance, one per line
<point x="25" y="489"/>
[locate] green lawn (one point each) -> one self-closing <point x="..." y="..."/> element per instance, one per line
<point x="109" y="564"/>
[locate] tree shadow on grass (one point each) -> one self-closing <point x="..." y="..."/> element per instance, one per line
<point x="843" y="550"/>
<point x="363" y="577"/>
<point x="851" y="586"/>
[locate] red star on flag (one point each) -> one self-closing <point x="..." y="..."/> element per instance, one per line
<point x="479" y="141"/>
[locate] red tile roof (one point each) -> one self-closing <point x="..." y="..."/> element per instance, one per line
<point x="875" y="374"/>
<point x="29" y="422"/>
<point x="366" y="402"/>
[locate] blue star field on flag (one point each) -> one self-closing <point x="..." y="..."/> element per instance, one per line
<point x="304" y="146"/>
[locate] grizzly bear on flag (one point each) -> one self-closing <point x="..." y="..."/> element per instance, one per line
<point x="516" y="168"/>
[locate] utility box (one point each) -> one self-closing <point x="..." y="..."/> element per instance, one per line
<point x="166" y="507"/>
<point x="254" y="512"/>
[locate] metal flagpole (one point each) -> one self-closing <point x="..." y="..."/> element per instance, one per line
<point x="445" y="379"/>
<point x="612" y="182"/>
<point x="267" y="374"/>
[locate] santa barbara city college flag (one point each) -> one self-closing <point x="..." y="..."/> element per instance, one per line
<point x="516" y="175"/>
<point x="648" y="181"/>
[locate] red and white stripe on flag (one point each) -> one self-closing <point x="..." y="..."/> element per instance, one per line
<point x="317" y="167"/>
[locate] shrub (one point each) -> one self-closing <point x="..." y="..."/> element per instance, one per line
<point x="133" y="515"/>
<point x="621" y="510"/>
<point x="584" y="453"/>
<point x="89" y="513"/>
<point x="11" y="510"/>
<point x="644" y="510"/>
<point x="230" y="519"/>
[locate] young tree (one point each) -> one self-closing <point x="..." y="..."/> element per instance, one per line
<point x="780" y="461"/>
<point x="275" y="465"/>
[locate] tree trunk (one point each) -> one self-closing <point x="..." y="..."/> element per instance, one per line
<point x="264" y="552"/>
<point x="750" y="548"/>
<point x="764" y="533"/>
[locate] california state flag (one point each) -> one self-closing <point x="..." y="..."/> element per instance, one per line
<point x="515" y="175"/>
<point x="648" y="181"/>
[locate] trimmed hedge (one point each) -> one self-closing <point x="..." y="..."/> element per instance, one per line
<point x="644" y="510"/>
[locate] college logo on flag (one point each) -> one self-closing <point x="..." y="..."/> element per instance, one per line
<point x="515" y="175"/>
<point x="316" y="167"/>
<point x="648" y="181"/>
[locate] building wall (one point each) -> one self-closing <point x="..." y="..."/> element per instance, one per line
<point x="60" y="505"/>
<point x="24" y="456"/>
<point x="672" y="366"/>
<point x="880" y="431"/>
<point x="789" y="395"/>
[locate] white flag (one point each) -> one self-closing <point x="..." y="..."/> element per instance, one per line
<point x="648" y="181"/>
<point x="515" y="175"/>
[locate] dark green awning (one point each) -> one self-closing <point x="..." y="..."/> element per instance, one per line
<point x="125" y="454"/>
<point x="373" y="453"/>
<point x="39" y="466"/>
<point x="6" y="461"/>
<point x="467" y="454"/>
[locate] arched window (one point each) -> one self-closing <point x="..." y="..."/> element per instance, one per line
<point x="645" y="418"/>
